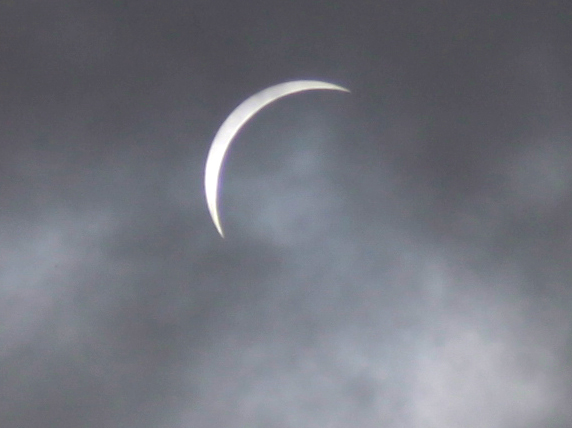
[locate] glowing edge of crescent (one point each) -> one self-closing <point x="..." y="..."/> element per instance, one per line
<point x="230" y="127"/>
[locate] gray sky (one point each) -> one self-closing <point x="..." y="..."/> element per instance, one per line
<point x="398" y="257"/>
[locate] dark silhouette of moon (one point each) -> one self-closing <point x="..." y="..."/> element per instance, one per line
<point x="234" y="122"/>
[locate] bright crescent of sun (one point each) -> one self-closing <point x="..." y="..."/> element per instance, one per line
<point x="232" y="125"/>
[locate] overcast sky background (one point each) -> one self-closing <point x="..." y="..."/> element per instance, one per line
<point x="396" y="257"/>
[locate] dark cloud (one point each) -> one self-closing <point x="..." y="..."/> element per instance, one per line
<point x="397" y="256"/>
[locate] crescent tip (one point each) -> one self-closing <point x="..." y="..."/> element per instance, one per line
<point x="219" y="229"/>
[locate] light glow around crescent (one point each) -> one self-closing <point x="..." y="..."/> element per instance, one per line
<point x="231" y="126"/>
